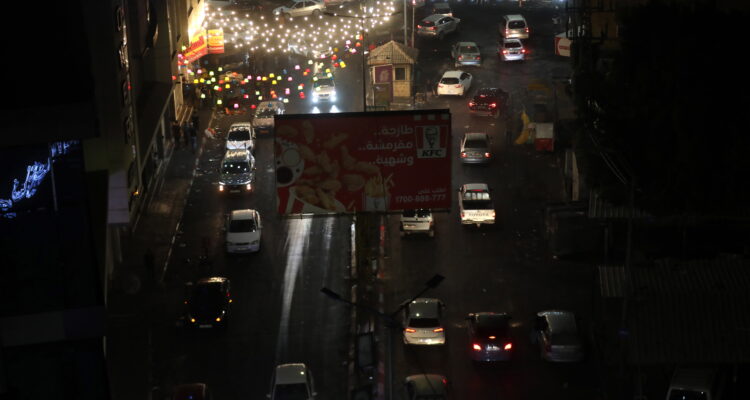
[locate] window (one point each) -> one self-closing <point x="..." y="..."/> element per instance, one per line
<point x="400" y="74"/>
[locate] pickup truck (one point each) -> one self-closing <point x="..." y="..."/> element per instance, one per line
<point x="475" y="204"/>
<point x="417" y="221"/>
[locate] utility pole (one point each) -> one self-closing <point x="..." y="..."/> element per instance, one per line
<point x="405" y="8"/>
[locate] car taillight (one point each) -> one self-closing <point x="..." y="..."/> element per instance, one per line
<point x="472" y="104"/>
<point x="438" y="329"/>
<point x="434" y="28"/>
<point x="508" y="346"/>
<point x="419" y="26"/>
<point x="410" y="330"/>
<point x="505" y="51"/>
<point x="460" y="57"/>
<point x="493" y="214"/>
<point x="493" y="105"/>
<point x="487" y="155"/>
<point x="478" y="57"/>
<point x="523" y="51"/>
<point x="507" y="31"/>
<point x="462" y="214"/>
<point x="476" y="347"/>
<point x="463" y="154"/>
<point x="458" y="86"/>
<point x="527" y="30"/>
<point x="440" y="85"/>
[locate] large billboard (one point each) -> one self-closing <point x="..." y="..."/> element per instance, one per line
<point x="374" y="161"/>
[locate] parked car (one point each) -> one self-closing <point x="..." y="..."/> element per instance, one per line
<point x="511" y="50"/>
<point x="292" y="381"/>
<point x="208" y="302"/>
<point x="466" y="53"/>
<point x="300" y="8"/>
<point x="475" y="204"/>
<point x="324" y="89"/>
<point x="489" y="337"/>
<point x="476" y="148"/>
<point x="454" y="83"/>
<point x="422" y="322"/>
<point x="263" y="121"/>
<point x="558" y="337"/>
<point x="514" y="26"/>
<point x="426" y="387"/>
<point x="437" y="26"/>
<point x="697" y="382"/>
<point x="237" y="171"/>
<point x="241" y="136"/>
<point x="243" y="231"/>
<point x="417" y="221"/>
<point x="491" y="102"/>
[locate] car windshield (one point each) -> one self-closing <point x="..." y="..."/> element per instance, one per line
<point x="235" y="167"/>
<point x="265" y="113"/>
<point x="238" y="135"/>
<point x="475" y="144"/>
<point x="291" y="4"/>
<point x="677" y="394"/>
<point x="424" y="322"/>
<point x="512" y="45"/>
<point x="442" y="10"/>
<point x="294" y="391"/>
<point x="492" y="325"/>
<point x="516" y="25"/>
<point x="421" y="213"/>
<point x="468" y="49"/>
<point x="241" y="225"/>
<point x="449" y="81"/>
<point x="428" y="23"/>
<point x="323" y="82"/>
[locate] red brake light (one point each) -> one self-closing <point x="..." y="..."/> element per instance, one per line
<point x="487" y="155"/>
<point x="419" y="26"/>
<point x="508" y="346"/>
<point x="438" y="329"/>
<point x="434" y="28"/>
<point x="410" y="330"/>
<point x="462" y="214"/>
<point x="458" y="86"/>
<point x="463" y="154"/>
<point x="505" y="51"/>
<point x="478" y="57"/>
<point x="527" y="29"/>
<point x="493" y="105"/>
<point x="472" y="103"/>
<point x="477" y="347"/>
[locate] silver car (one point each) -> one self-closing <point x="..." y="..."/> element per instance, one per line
<point x="437" y="26"/>
<point x="557" y="334"/>
<point x="466" y="53"/>
<point x="476" y="148"/>
<point x="511" y="50"/>
<point x="300" y="8"/>
<point x="422" y="322"/>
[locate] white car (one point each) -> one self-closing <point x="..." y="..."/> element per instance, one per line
<point x="454" y="83"/>
<point x="324" y="89"/>
<point x="475" y="204"/>
<point x="292" y="381"/>
<point x="241" y="136"/>
<point x="417" y="221"/>
<point x="422" y="322"/>
<point x="243" y="231"/>
<point x="263" y="120"/>
<point x="300" y="8"/>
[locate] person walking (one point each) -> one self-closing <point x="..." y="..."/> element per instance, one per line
<point x="176" y="133"/>
<point x="195" y="119"/>
<point x="193" y="137"/>
<point x="186" y="132"/>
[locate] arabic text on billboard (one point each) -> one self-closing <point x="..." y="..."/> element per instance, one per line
<point x="379" y="161"/>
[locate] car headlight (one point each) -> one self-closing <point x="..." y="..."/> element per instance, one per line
<point x="315" y="97"/>
<point x="221" y="187"/>
<point x="254" y="242"/>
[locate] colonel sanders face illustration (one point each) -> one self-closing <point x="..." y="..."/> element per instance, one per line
<point x="289" y="163"/>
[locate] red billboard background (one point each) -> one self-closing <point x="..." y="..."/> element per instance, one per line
<point x="375" y="161"/>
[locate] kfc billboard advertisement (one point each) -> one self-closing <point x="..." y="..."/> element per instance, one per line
<point x="374" y="161"/>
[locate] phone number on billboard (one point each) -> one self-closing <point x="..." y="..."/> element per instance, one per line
<point x="420" y="198"/>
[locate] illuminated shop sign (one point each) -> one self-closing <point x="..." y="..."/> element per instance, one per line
<point x="26" y="184"/>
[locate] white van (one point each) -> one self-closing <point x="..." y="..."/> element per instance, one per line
<point x="514" y="26"/>
<point x="703" y="383"/>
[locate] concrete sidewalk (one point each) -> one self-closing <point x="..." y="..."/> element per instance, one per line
<point x="135" y="303"/>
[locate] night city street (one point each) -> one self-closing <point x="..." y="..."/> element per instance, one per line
<point x="266" y="199"/>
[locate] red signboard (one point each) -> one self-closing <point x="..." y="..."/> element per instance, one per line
<point x="374" y="161"/>
<point x="198" y="47"/>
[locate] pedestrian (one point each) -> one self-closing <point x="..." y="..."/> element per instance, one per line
<point x="149" y="261"/>
<point x="186" y="132"/>
<point x="195" y="119"/>
<point x="193" y="137"/>
<point x="176" y="133"/>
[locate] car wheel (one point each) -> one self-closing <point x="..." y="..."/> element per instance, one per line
<point x="315" y="13"/>
<point x="287" y="17"/>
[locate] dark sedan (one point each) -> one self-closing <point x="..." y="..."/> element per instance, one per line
<point x="489" y="337"/>
<point x="208" y="302"/>
<point x="489" y="102"/>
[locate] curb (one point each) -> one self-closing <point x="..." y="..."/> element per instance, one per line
<point x="353" y="314"/>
